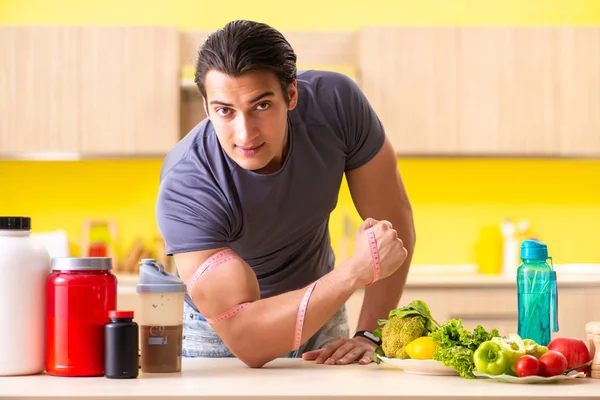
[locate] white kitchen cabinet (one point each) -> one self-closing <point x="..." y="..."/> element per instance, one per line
<point x="130" y="90"/>
<point x="409" y="76"/>
<point x="508" y="91"/>
<point x="39" y="90"/>
<point x="577" y="76"/>
<point x="89" y="91"/>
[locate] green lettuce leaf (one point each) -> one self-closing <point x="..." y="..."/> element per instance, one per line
<point x="456" y="345"/>
<point x="458" y="357"/>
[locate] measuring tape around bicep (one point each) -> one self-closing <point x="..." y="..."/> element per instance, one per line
<point x="228" y="255"/>
<point x="229" y="313"/>
<point x="212" y="262"/>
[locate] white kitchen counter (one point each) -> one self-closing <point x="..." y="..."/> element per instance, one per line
<point x="292" y="379"/>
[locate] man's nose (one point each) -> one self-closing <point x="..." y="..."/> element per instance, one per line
<point x="245" y="131"/>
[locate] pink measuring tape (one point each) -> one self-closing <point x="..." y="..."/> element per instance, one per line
<point x="304" y="303"/>
<point x="374" y="255"/>
<point x="228" y="314"/>
<point x="302" y="315"/>
<point x="212" y="262"/>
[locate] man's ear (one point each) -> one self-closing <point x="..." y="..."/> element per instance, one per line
<point x="293" y="95"/>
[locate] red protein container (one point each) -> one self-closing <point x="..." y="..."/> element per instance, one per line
<point x="79" y="294"/>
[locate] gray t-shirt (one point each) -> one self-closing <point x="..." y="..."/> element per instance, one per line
<point x="278" y="223"/>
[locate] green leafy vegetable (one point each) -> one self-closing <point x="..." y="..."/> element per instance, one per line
<point x="458" y="357"/>
<point x="456" y="345"/>
<point x="416" y="307"/>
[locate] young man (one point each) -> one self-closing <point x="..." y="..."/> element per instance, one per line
<point x="245" y="199"/>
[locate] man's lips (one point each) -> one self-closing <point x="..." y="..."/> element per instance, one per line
<point x="250" y="150"/>
<point x="250" y="147"/>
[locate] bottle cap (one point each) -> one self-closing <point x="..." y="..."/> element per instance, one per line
<point x="15" y="223"/>
<point x="154" y="279"/>
<point x="81" y="264"/>
<point x="120" y="314"/>
<point x="533" y="250"/>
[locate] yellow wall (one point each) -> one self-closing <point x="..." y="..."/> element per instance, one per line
<point x="452" y="198"/>
<point x="307" y="14"/>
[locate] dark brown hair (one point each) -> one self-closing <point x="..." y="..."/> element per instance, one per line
<point x="243" y="46"/>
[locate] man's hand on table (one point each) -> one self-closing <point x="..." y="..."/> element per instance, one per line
<point x="343" y="351"/>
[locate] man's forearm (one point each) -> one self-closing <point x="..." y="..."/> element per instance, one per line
<point x="265" y="329"/>
<point x="384" y="295"/>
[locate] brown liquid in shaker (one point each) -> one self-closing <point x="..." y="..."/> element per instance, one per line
<point x="161" y="348"/>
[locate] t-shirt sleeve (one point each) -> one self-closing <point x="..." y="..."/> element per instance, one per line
<point x="363" y="132"/>
<point x="191" y="215"/>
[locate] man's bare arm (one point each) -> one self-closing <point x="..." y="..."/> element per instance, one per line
<point x="378" y="192"/>
<point x="265" y="329"/>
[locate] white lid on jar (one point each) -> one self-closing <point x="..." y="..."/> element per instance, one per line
<point x="81" y="264"/>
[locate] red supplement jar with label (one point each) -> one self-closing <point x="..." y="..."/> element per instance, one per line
<point x="79" y="294"/>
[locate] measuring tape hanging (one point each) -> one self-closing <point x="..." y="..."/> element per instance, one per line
<point x="301" y="316"/>
<point x="374" y="255"/>
<point x="304" y="303"/>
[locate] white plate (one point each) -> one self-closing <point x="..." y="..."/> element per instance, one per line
<point x="529" y="379"/>
<point x="423" y="367"/>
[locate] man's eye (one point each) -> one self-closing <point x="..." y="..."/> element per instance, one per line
<point x="223" y="111"/>
<point x="263" y="106"/>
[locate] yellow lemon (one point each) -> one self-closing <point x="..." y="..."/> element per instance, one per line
<point x="421" y="348"/>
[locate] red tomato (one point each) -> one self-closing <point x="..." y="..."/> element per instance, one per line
<point x="552" y="363"/>
<point x="574" y="350"/>
<point x="527" y="365"/>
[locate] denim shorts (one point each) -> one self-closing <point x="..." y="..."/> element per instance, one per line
<point x="200" y="340"/>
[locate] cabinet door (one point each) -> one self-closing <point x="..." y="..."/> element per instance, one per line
<point x="578" y="90"/>
<point x="409" y="76"/>
<point x="39" y="90"/>
<point x="129" y="90"/>
<point x="506" y="91"/>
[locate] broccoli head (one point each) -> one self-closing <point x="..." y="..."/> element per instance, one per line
<point x="398" y="332"/>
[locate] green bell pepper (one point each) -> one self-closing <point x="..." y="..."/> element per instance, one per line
<point x="513" y="348"/>
<point x="534" y="349"/>
<point x="490" y="358"/>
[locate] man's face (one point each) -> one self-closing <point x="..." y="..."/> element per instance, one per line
<point x="249" y="114"/>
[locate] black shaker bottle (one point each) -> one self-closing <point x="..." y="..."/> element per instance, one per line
<point x="121" y="346"/>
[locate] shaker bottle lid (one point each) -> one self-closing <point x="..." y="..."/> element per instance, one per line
<point x="82" y="263"/>
<point x="533" y="250"/>
<point x="154" y="279"/>
<point x="15" y="223"/>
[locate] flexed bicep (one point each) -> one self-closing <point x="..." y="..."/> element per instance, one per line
<point x="217" y="280"/>
<point x="226" y="292"/>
